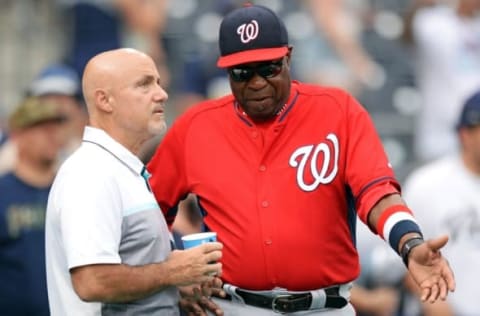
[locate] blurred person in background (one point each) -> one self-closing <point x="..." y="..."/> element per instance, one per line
<point x="94" y="26"/>
<point x="35" y="129"/>
<point x="335" y="55"/>
<point x="8" y="152"/>
<point x="56" y="83"/>
<point x="3" y="135"/>
<point x="446" y="44"/>
<point x="412" y="8"/>
<point x="59" y="83"/>
<point x="446" y="197"/>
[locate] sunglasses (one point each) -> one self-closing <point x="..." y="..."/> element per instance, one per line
<point x="266" y="70"/>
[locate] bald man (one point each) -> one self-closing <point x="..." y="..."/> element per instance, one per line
<point x="108" y="247"/>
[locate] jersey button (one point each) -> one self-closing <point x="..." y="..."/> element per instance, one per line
<point x="254" y="134"/>
<point x="268" y="242"/>
<point x="262" y="168"/>
<point x="265" y="203"/>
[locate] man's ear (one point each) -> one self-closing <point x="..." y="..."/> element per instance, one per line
<point x="102" y="100"/>
<point x="289" y="54"/>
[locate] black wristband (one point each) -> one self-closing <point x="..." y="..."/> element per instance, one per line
<point x="408" y="246"/>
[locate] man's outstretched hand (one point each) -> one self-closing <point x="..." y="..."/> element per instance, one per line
<point x="430" y="270"/>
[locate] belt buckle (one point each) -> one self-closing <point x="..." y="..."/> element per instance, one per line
<point x="274" y="303"/>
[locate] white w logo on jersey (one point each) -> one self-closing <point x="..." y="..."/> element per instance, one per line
<point x="310" y="153"/>
<point x="248" y="31"/>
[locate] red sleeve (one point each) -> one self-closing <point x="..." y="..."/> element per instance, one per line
<point x="368" y="171"/>
<point x="167" y="167"/>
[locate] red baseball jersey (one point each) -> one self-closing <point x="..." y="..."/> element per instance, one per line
<point x="282" y="196"/>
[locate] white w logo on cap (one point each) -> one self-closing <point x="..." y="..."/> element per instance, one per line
<point x="248" y="31"/>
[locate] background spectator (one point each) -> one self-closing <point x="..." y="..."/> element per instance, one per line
<point x="35" y="128"/>
<point x="449" y="188"/>
<point x="335" y="54"/>
<point x="58" y="84"/>
<point x="447" y="55"/>
<point x="98" y="25"/>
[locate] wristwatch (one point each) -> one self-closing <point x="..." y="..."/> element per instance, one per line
<point x="408" y="246"/>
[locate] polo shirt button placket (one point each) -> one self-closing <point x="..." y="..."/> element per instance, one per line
<point x="146" y="175"/>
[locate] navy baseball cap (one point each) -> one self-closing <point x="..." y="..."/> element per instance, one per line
<point x="55" y="79"/>
<point x="470" y="115"/>
<point x="250" y="34"/>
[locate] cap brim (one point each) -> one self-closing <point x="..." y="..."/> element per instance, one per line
<point x="54" y="85"/>
<point x="250" y="56"/>
<point x="40" y="121"/>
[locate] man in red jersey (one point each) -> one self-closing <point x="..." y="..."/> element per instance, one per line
<point x="281" y="169"/>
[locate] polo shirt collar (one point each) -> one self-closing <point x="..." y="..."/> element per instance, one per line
<point x="106" y="142"/>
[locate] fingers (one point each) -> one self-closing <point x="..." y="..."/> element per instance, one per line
<point x="212" y="251"/>
<point x="438" y="286"/>
<point x="213" y="269"/>
<point x="451" y="283"/>
<point x="425" y="293"/>
<point x="191" y="307"/>
<point x="213" y="288"/>
<point x="429" y="292"/>
<point x="197" y="294"/>
<point x="190" y="303"/>
<point x="217" y="283"/>
<point x="209" y="305"/>
<point x="443" y="289"/>
<point x="449" y="277"/>
<point x="211" y="246"/>
<point x="437" y="243"/>
<point x="198" y="304"/>
<point x="213" y="256"/>
<point x="218" y="293"/>
<point x="434" y="291"/>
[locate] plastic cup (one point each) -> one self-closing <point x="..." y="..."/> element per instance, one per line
<point x="197" y="239"/>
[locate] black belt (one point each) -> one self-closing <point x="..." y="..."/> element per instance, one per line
<point x="290" y="303"/>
